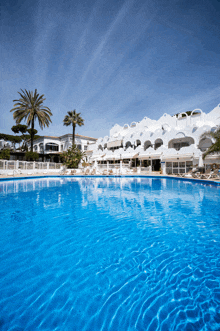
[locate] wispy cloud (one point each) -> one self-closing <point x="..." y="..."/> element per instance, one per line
<point x="195" y="101"/>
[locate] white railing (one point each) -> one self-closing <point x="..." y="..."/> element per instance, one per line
<point x="25" y="166"/>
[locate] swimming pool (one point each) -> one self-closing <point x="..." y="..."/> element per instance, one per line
<point x="109" y="254"/>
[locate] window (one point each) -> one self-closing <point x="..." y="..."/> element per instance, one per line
<point x="85" y="148"/>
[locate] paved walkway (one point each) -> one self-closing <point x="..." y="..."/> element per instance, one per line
<point x="143" y="173"/>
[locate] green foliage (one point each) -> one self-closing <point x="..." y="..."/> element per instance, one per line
<point x="85" y="164"/>
<point x="31" y="156"/>
<point x="32" y="131"/>
<point x="30" y="107"/>
<point x="215" y="147"/>
<point x="73" y="118"/>
<point x="72" y="157"/>
<point x="3" y="136"/>
<point x="19" y="128"/>
<point x="5" y="154"/>
<point x="22" y="129"/>
<point x="14" y="140"/>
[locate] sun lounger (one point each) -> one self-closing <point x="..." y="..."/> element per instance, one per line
<point x="191" y="174"/>
<point x="93" y="172"/>
<point x="213" y="175"/>
<point x="206" y="174"/>
<point x="87" y="172"/>
<point x="10" y="173"/>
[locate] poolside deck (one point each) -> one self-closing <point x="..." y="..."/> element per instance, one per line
<point x="155" y="173"/>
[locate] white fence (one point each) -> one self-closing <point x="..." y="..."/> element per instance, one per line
<point x="27" y="167"/>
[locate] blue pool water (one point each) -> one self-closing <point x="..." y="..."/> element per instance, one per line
<point x="120" y="254"/>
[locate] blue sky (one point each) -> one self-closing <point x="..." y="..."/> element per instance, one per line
<point x="112" y="61"/>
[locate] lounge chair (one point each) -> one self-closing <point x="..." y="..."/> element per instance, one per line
<point x="93" y="172"/>
<point x="206" y="174"/>
<point x="192" y="174"/>
<point x="87" y="172"/>
<point x="30" y="173"/>
<point x="73" y="172"/>
<point x="213" y="175"/>
<point x="62" y="170"/>
<point x="10" y="173"/>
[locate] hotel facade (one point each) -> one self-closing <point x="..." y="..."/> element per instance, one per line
<point x="49" y="148"/>
<point x="172" y="144"/>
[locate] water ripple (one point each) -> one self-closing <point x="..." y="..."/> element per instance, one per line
<point x="109" y="254"/>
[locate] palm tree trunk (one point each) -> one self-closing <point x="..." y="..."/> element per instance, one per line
<point x="32" y="135"/>
<point x="74" y="127"/>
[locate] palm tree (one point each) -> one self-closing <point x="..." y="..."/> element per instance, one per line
<point x="30" y="107"/>
<point x="215" y="147"/>
<point x="73" y="118"/>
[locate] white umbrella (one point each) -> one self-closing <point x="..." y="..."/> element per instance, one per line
<point x="95" y="165"/>
<point x="120" y="166"/>
<point x="201" y="164"/>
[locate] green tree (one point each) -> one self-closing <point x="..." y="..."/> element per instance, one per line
<point x="5" y="154"/>
<point x="33" y="156"/>
<point x="30" y="107"/>
<point x="75" y="119"/>
<point x="14" y="140"/>
<point x="21" y="128"/>
<point x="72" y="157"/>
<point x="215" y="147"/>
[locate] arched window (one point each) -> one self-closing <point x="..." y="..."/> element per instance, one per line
<point x="194" y="129"/>
<point x="158" y="142"/>
<point x="204" y="144"/>
<point x="214" y="128"/>
<point x="178" y="143"/>
<point x="138" y="142"/>
<point x="41" y="146"/>
<point x="182" y="115"/>
<point x="128" y="144"/>
<point x="52" y="147"/>
<point x="100" y="148"/>
<point x="147" y="144"/>
<point x="196" y="112"/>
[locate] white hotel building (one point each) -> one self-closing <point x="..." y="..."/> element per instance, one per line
<point x="49" y="148"/>
<point x="172" y="144"/>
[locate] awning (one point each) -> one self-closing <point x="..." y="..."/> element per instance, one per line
<point x="176" y="158"/>
<point x="112" y="157"/>
<point x="147" y="157"/>
<point x="52" y="144"/>
<point x="97" y="156"/>
<point x="116" y="143"/>
<point x="129" y="155"/>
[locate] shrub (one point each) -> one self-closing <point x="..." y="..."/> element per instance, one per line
<point x="72" y="157"/>
<point x="5" y="154"/>
<point x="31" y="156"/>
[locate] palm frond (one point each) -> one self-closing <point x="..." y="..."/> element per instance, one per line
<point x="30" y="107"/>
